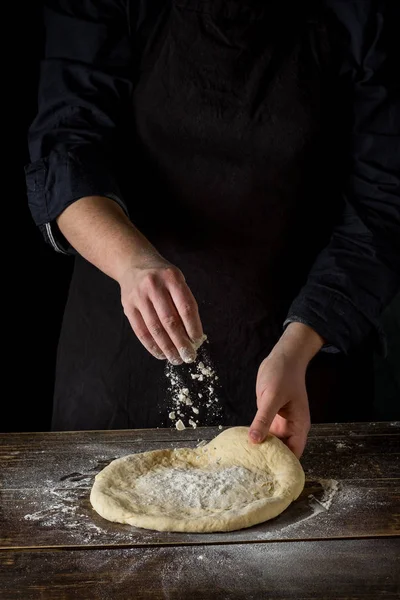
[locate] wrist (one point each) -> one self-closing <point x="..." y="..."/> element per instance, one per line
<point x="145" y="258"/>
<point x="132" y="253"/>
<point x="299" y="343"/>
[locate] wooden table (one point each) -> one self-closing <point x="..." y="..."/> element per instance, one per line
<point x="339" y="540"/>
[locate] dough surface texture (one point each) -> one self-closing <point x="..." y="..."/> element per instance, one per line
<point x="225" y="485"/>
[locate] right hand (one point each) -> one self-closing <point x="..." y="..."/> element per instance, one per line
<point x="282" y="401"/>
<point x="162" y="310"/>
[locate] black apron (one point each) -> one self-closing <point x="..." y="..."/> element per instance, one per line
<point x="233" y="180"/>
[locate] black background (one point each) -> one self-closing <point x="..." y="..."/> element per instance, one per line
<point x="36" y="278"/>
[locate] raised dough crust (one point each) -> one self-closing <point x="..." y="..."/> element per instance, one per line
<point x="117" y="494"/>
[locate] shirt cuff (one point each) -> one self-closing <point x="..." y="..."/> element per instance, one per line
<point x="335" y="318"/>
<point x="58" y="180"/>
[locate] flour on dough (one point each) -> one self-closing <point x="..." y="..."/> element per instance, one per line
<point x="225" y="485"/>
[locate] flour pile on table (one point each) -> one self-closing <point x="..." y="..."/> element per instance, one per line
<point x="192" y="393"/>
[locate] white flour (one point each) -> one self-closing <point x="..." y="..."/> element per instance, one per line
<point x="68" y="512"/>
<point x="60" y="505"/>
<point x="193" y="398"/>
<point x="342" y="446"/>
<point x="330" y="487"/>
<point x="178" y="489"/>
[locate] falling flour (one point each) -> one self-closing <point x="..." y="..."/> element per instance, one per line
<point x="192" y="394"/>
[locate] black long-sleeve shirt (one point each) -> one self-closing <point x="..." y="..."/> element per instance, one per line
<point x="91" y="69"/>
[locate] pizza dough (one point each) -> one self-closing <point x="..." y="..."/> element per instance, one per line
<point x="225" y="485"/>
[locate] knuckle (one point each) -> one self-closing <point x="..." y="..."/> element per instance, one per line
<point x="268" y="396"/>
<point x="170" y="322"/>
<point x="173" y="274"/>
<point x="263" y="420"/>
<point x="187" y="309"/>
<point x="155" y="329"/>
<point x="150" y="280"/>
<point x="170" y="350"/>
<point x="143" y="336"/>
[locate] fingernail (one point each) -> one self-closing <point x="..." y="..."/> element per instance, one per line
<point x="199" y="341"/>
<point x="187" y="354"/>
<point x="255" y="436"/>
<point x="175" y="361"/>
<point x="157" y="353"/>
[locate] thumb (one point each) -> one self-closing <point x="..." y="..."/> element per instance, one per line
<point x="262" y="422"/>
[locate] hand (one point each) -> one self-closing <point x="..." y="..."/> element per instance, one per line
<point x="282" y="403"/>
<point x="158" y="303"/>
<point x="162" y="310"/>
<point x="281" y="389"/>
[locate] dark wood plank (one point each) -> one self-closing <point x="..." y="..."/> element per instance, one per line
<point x="366" y="458"/>
<point x="346" y="570"/>
<point x="45" y="462"/>
<point x="69" y="438"/>
<point x="64" y="517"/>
<point x="355" y="429"/>
<point x="45" y="490"/>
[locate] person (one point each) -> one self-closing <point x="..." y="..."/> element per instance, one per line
<point x="227" y="167"/>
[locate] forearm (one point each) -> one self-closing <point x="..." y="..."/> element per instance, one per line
<point x="100" y="231"/>
<point x="299" y="343"/>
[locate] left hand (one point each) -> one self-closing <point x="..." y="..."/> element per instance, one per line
<point x="281" y="389"/>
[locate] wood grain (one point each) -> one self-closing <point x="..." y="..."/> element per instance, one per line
<point x="46" y="481"/>
<point x="171" y="434"/>
<point x="55" y="547"/>
<point x="64" y="517"/>
<point x="345" y="570"/>
<point x="43" y="460"/>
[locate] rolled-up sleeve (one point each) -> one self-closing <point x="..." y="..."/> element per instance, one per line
<point x="358" y="273"/>
<point x="85" y="83"/>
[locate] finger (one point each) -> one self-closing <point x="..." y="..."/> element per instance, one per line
<point x="280" y="427"/>
<point x="283" y="429"/>
<point x="172" y="323"/>
<point x="297" y="443"/>
<point x="187" y="308"/>
<point x="262" y="422"/>
<point x="142" y="333"/>
<point x="158" y="332"/>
